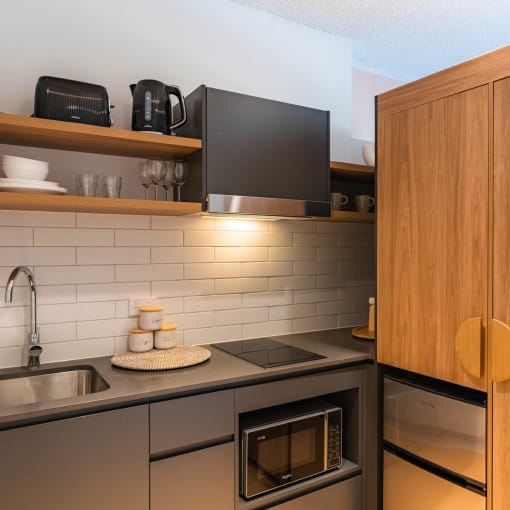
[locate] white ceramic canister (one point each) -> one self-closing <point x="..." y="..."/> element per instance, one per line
<point x="150" y="317"/>
<point x="166" y="337"/>
<point x="140" y="340"/>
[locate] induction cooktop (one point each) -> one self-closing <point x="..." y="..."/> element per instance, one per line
<point x="267" y="353"/>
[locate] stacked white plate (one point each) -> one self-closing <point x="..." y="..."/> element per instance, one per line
<point x="28" y="176"/>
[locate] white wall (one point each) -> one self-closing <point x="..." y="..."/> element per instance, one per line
<point x="182" y="42"/>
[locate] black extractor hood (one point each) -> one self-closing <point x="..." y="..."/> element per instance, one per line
<point x="259" y="156"/>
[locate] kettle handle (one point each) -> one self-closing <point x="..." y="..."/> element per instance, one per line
<point x="172" y="90"/>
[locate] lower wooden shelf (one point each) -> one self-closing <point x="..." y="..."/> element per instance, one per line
<point x="96" y="205"/>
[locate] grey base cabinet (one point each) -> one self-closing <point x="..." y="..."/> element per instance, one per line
<point x="92" y="462"/>
<point x="200" y="480"/>
<point x="341" y="496"/>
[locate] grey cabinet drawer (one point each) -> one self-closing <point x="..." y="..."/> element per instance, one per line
<point x="341" y="496"/>
<point x="201" y="480"/>
<point x="189" y="421"/>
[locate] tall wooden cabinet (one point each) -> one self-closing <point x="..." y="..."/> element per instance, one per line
<point x="443" y="229"/>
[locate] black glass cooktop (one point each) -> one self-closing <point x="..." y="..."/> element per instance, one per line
<point x="267" y="353"/>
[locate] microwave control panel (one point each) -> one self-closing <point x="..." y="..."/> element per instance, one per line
<point x="334" y="438"/>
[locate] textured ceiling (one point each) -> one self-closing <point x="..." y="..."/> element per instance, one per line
<point x="404" y="39"/>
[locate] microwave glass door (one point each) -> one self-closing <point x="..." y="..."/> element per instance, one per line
<point x="283" y="453"/>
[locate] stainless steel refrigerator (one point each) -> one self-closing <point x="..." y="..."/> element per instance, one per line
<point x="434" y="445"/>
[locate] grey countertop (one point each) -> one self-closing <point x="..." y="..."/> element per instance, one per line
<point x="221" y="371"/>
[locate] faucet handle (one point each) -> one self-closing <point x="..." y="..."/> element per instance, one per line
<point x="34" y="352"/>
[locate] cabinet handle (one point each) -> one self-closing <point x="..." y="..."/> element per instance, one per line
<point x="500" y="344"/>
<point x="468" y="346"/>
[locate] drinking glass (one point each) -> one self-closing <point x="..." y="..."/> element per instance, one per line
<point x="145" y="177"/>
<point x="180" y="171"/>
<point x="156" y="172"/>
<point x="111" y="186"/>
<point x="86" y="184"/>
<point x="169" y="177"/>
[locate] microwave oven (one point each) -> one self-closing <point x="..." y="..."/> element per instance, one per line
<point x="288" y="443"/>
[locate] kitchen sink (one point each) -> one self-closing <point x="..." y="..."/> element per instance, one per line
<point x="29" y="387"/>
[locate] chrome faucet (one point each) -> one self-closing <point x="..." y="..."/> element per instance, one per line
<point x="34" y="350"/>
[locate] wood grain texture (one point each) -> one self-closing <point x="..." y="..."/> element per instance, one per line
<point x="501" y="297"/>
<point x="432" y="232"/>
<point x="468" y="75"/>
<point x="70" y="136"/>
<point x="341" y="170"/>
<point x="350" y="217"/>
<point x="468" y="346"/>
<point x="500" y="343"/>
<point x="70" y="203"/>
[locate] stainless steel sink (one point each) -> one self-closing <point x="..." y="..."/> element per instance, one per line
<point x="29" y="387"/>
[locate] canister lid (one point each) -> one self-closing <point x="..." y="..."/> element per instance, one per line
<point x="151" y="308"/>
<point x="167" y="327"/>
<point x="139" y="331"/>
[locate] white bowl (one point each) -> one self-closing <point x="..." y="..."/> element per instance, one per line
<point x="368" y="152"/>
<point x="24" y="168"/>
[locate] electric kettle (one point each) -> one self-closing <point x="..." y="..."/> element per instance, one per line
<point x="152" y="108"/>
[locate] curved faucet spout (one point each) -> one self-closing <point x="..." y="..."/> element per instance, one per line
<point x="33" y="336"/>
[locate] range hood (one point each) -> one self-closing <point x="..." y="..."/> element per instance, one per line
<point x="259" y="156"/>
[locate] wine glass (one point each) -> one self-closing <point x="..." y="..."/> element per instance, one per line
<point x="145" y="177"/>
<point x="156" y="172"/>
<point x="168" y="179"/>
<point x="180" y="171"/>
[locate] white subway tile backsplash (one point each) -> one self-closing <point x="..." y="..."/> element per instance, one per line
<point x="32" y="256"/>
<point x="315" y="295"/>
<point x="182" y="223"/>
<point x="267" y="268"/>
<point x="16" y="236"/>
<point x="315" y="323"/>
<point x="148" y="238"/>
<point x="212" y="335"/>
<point x="181" y="254"/>
<point x="37" y="219"/>
<point x="283" y="253"/>
<point x="292" y="282"/>
<point x="292" y="311"/>
<point x="84" y="220"/>
<point x="182" y="288"/>
<point x="274" y="298"/>
<point x="113" y="255"/>
<point x="105" y="328"/>
<point x="241" y="316"/>
<point x="329" y="267"/>
<point x="54" y="275"/>
<point x="112" y="291"/>
<point x="213" y="270"/>
<point x="270" y="328"/>
<point x="201" y="303"/>
<point x="217" y="279"/>
<point x="241" y="254"/>
<point x="240" y="285"/>
<point x="72" y="237"/>
<point x="50" y="314"/>
<point x="148" y="272"/>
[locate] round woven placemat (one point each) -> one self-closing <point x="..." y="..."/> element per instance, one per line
<point x="162" y="359"/>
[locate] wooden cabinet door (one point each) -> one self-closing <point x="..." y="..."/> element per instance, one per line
<point x="501" y="294"/>
<point x="432" y="235"/>
<point x="100" y="461"/>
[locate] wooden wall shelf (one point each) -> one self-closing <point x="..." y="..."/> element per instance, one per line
<point x="70" y="136"/>
<point x="351" y="171"/>
<point x="71" y="203"/>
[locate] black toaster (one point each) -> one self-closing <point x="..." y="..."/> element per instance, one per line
<point x="71" y="101"/>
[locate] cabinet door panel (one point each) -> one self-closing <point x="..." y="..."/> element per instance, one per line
<point x="90" y="462"/>
<point x="199" y="480"/>
<point x="432" y="232"/>
<point x="501" y="288"/>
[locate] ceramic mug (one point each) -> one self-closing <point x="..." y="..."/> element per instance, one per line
<point x="364" y="203"/>
<point x="338" y="200"/>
